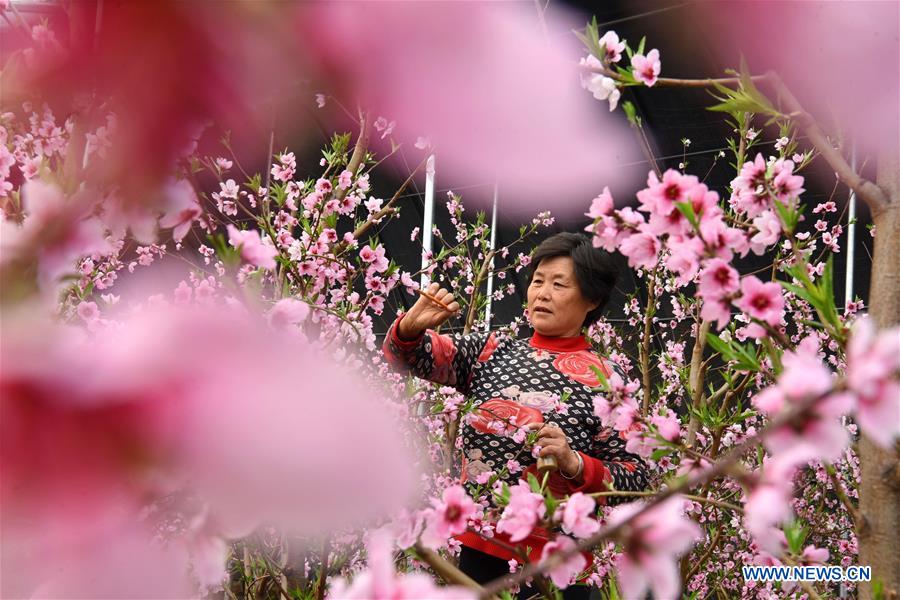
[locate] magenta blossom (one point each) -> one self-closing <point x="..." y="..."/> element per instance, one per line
<point x="646" y="68"/>
<point x="565" y="572"/>
<point x="763" y="301"/>
<point x="718" y="279"/>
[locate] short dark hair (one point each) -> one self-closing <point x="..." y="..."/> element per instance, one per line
<point x="594" y="269"/>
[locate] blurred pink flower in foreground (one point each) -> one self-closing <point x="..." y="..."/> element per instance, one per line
<point x="653" y="542"/>
<point x="565" y="573"/>
<point x="381" y="582"/>
<point x="828" y="72"/>
<point x="501" y="102"/>
<point x="253" y="249"/>
<point x="56" y="232"/>
<point x="873" y="369"/>
<point x="257" y="426"/>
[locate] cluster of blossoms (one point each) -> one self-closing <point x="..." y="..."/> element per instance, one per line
<point x="680" y="223"/>
<point x="603" y="77"/>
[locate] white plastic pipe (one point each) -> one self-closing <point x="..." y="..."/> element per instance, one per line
<point x="428" y="220"/>
<point x="490" y="281"/>
<point x="851" y="236"/>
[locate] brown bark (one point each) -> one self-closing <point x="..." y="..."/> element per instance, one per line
<point x="879" y="490"/>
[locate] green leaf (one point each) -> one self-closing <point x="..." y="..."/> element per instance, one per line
<point x="534" y="484"/>
<point x="631" y="113"/>
<point x="687" y="209"/>
<point x="640" y="48"/>
<point x="659" y="453"/>
<point x="795" y="533"/>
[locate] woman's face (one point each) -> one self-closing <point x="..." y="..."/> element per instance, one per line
<point x="555" y="304"/>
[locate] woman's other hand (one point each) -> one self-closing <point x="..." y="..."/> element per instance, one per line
<point x="426" y="313"/>
<point x="552" y="440"/>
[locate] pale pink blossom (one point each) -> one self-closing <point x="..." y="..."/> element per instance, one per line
<point x="817" y="434"/>
<point x="522" y="513"/>
<point x="767" y="505"/>
<point x="284" y="170"/>
<point x="612" y="47"/>
<point x="600" y="86"/>
<point x="320" y="100"/>
<point x="288" y="312"/>
<point x="653" y="541"/>
<point x="253" y="250"/>
<point x="88" y="312"/>
<point x="563" y="574"/>
<point x="345" y="179"/>
<point x="684" y="258"/>
<point x="763" y="301"/>
<point x="381" y="582"/>
<point x="646" y="68"/>
<point x="873" y="368"/>
<point x="182" y="208"/>
<point x="56" y="232"/>
<point x="717" y="310"/>
<point x="164" y="387"/>
<point x="579" y="516"/>
<point x="768" y="228"/>
<point x="668" y="426"/>
<point x="601" y="205"/>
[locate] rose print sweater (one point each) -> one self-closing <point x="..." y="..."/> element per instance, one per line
<point x="512" y="383"/>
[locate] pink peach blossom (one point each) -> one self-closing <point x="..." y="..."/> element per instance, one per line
<point x="653" y="542"/>
<point x="578" y="516"/>
<point x="182" y="208"/>
<point x="611" y="45"/>
<point x="448" y="517"/>
<point x="522" y="513"/>
<point x="252" y="248"/>
<point x="564" y="573"/>
<point x="646" y="68"/>
<point x="642" y="250"/>
<point x="718" y="279"/>
<point x="381" y="582"/>
<point x="873" y="368"/>
<point x="763" y="301"/>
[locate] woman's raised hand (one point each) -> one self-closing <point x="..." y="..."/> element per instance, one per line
<point x="434" y="306"/>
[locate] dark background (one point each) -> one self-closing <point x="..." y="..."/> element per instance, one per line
<point x="668" y="115"/>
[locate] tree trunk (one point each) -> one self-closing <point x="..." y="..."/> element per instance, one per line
<point x="879" y="490"/>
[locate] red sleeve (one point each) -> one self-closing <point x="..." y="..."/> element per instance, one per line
<point x="595" y="478"/>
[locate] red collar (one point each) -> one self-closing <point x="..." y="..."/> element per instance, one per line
<point x="559" y="344"/>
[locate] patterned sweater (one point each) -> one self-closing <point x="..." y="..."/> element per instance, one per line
<point x="513" y="382"/>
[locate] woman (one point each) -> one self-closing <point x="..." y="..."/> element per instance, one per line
<point x="513" y="382"/>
